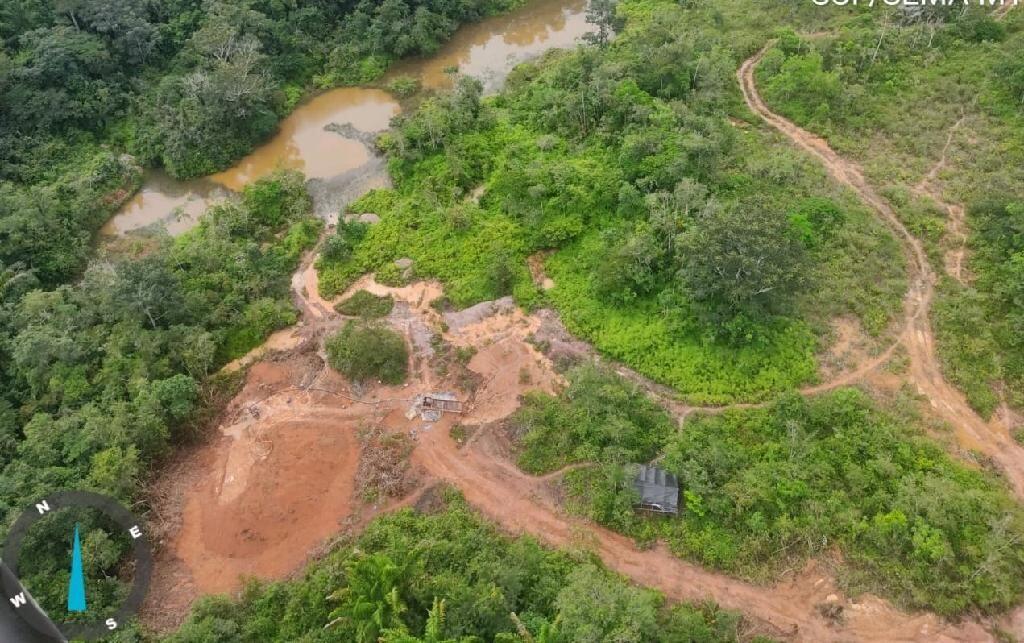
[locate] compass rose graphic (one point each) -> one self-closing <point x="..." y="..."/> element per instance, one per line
<point x="20" y="609"/>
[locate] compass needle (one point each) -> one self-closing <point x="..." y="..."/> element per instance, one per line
<point x="76" y="586"/>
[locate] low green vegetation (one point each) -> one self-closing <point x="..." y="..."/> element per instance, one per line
<point x="366" y="304"/>
<point x="103" y="376"/>
<point x="683" y="236"/>
<point x="981" y="326"/>
<point x="647" y="194"/>
<point x="598" y="418"/>
<point x="970" y="352"/>
<point x="764" y="489"/>
<point x="364" y="351"/>
<point x="404" y="86"/>
<point x="912" y="522"/>
<point x="449" y="577"/>
<point x="862" y="86"/>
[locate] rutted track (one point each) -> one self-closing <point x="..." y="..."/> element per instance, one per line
<point x="522" y="503"/>
<point x="956" y="224"/>
<point x="1004" y="10"/>
<point x="518" y="501"/>
<point x="917" y="336"/>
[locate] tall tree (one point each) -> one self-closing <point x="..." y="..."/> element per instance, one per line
<point x="602" y="13"/>
<point x="742" y="261"/>
<point x="372" y="600"/>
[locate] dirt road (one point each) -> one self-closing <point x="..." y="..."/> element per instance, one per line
<point x="956" y="222"/>
<point x="525" y="504"/>
<point x="277" y="461"/>
<point x="992" y="439"/>
<point x="1004" y="10"/>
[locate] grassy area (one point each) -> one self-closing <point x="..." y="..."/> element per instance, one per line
<point x="366" y="304"/>
<point x="866" y="99"/>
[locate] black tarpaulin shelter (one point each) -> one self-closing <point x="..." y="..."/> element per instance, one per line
<point x="658" y="490"/>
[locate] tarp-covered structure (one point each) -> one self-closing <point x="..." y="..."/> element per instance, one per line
<point x="658" y="490"/>
<point x="432" y="406"/>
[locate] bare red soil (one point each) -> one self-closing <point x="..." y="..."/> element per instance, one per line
<point x="278" y="483"/>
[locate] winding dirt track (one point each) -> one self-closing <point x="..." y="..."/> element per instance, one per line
<point x="957" y="222"/>
<point x="1003" y="10"/>
<point x="521" y="503"/>
<point x="917" y="337"/>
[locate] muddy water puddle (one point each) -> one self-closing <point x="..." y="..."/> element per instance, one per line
<point x="302" y="142"/>
<point x="177" y="205"/>
<point x="490" y="49"/>
<point x="338" y="159"/>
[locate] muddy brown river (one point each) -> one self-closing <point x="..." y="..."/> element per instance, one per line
<point x="341" y="167"/>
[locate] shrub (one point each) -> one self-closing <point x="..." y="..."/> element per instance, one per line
<point x="766" y="488"/>
<point x="364" y="351"/>
<point x="367" y="305"/>
<point x="404" y="86"/>
<point x="805" y="89"/>
<point x="338" y="247"/>
<point x="600" y="417"/>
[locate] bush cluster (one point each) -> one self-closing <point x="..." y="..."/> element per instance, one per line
<point x="364" y="351"/>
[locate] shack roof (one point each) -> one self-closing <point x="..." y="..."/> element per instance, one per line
<point x="657" y="488"/>
<point x="447" y="397"/>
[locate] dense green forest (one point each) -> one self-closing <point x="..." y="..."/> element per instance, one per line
<point x="766" y="488"/>
<point x="190" y="85"/>
<point x="865" y="95"/>
<point x="705" y="253"/>
<point x="102" y="376"/>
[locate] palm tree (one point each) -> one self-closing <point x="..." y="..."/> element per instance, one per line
<point x="548" y="631"/>
<point x="371" y="601"/>
<point x="433" y="632"/>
